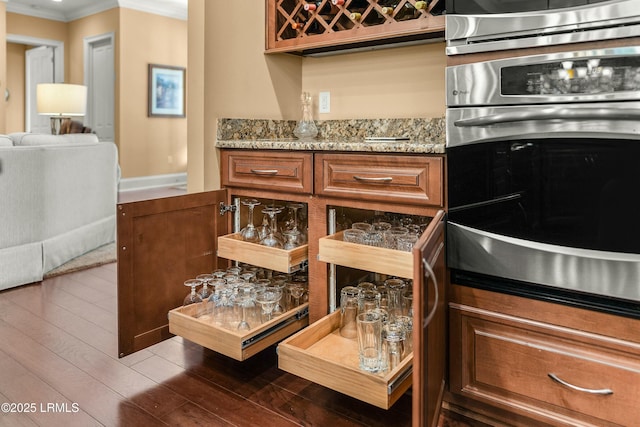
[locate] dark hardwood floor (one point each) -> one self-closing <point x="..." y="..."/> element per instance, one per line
<point x="59" y="367"/>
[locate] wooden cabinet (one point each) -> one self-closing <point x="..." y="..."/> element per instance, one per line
<point x="166" y="241"/>
<point x="395" y="179"/>
<point x="318" y="25"/>
<point x="544" y="363"/>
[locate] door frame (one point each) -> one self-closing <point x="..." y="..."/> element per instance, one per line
<point x="88" y="59"/>
<point x="58" y="65"/>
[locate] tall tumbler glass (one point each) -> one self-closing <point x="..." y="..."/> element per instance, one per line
<point x="369" y="341"/>
<point x="393" y="345"/>
<point x="348" y="311"/>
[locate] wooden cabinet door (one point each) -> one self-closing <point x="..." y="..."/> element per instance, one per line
<point x="161" y="243"/>
<point x="429" y="327"/>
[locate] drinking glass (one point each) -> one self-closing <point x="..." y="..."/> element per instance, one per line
<point x="395" y="287"/>
<point x="406" y="323"/>
<point x="369" y="326"/>
<point x="268" y="298"/>
<point x="250" y="232"/>
<point x="349" y="311"/>
<point x="244" y="299"/>
<point x="263" y="229"/>
<point x="297" y="290"/>
<point x="292" y="239"/>
<point x="206" y="280"/>
<point x="393" y="345"/>
<point x="280" y="283"/>
<point x="273" y="239"/>
<point x="295" y="227"/>
<point x="368" y="299"/>
<point x="192" y="297"/>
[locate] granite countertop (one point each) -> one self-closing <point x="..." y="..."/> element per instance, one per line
<point x="424" y="135"/>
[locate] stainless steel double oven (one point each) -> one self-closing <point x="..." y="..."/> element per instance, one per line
<point x="544" y="167"/>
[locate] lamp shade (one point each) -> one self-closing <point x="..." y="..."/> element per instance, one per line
<point x="61" y="99"/>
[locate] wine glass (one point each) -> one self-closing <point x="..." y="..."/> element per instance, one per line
<point x="295" y="224"/>
<point x="206" y="291"/>
<point x="297" y="290"/>
<point x="263" y="229"/>
<point x="268" y="298"/>
<point x="206" y="280"/>
<point x="273" y="239"/>
<point x="244" y="299"/>
<point x="193" y="298"/>
<point x="250" y="232"/>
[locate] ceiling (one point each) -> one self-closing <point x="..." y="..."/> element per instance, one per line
<point x="69" y="10"/>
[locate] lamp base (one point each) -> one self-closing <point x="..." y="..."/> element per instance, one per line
<point x="58" y="123"/>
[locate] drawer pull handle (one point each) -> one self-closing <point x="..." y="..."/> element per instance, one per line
<point x="383" y="179"/>
<point x="604" y="391"/>
<point x="264" y="171"/>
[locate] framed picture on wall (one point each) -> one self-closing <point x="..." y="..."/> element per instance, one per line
<point x="166" y="91"/>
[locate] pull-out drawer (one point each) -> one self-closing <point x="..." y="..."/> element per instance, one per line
<point x="321" y="355"/>
<point x="232" y="246"/>
<point x="391" y="178"/>
<point x="334" y="250"/>
<point x="269" y="170"/>
<point x="567" y="376"/>
<point x="239" y="345"/>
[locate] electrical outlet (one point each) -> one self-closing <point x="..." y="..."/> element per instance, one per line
<point x="324" y="102"/>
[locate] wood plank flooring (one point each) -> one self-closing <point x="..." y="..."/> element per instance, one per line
<point x="59" y="367"/>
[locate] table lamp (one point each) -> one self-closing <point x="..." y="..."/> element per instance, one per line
<point x="61" y="101"/>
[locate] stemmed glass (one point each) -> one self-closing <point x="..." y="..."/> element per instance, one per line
<point x="244" y="299"/>
<point x="192" y="297"/>
<point x="268" y="297"/>
<point x="206" y="291"/>
<point x="296" y="289"/>
<point x="263" y="229"/>
<point x="295" y="236"/>
<point x="250" y="232"/>
<point x="206" y="280"/>
<point x="273" y="239"/>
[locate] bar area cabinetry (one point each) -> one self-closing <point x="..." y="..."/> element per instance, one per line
<point x="166" y="241"/>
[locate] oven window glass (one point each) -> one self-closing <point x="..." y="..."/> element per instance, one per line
<point x="477" y="7"/>
<point x="584" y="76"/>
<point x="571" y="192"/>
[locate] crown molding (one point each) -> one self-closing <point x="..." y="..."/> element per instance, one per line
<point x="170" y="9"/>
<point x="157" y="7"/>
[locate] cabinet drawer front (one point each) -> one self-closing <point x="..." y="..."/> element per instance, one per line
<point x="513" y="364"/>
<point x="404" y="179"/>
<point x="287" y="171"/>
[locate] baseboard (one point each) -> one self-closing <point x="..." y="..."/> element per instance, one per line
<point x="153" y="181"/>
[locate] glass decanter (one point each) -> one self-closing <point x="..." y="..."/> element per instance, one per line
<point x="306" y="127"/>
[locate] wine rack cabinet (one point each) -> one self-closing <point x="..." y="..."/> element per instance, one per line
<point x="317" y="26"/>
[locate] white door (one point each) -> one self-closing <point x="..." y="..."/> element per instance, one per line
<point x="101" y="87"/>
<point x="39" y="68"/>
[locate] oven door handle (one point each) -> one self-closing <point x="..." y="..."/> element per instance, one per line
<point x="575" y="113"/>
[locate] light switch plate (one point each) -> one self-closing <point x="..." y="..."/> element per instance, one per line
<point x="324" y="102"/>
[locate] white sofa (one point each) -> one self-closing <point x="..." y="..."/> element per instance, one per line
<point x="58" y="198"/>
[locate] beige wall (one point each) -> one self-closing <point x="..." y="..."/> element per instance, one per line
<point x="39" y="28"/>
<point x="240" y="81"/>
<point x="149" y="146"/>
<point x="389" y="83"/>
<point x="15" y="84"/>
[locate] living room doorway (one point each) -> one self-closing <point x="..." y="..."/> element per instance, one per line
<point x="43" y="64"/>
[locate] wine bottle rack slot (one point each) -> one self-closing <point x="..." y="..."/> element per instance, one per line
<point x="317" y="25"/>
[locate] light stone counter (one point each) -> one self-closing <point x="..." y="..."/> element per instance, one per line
<point x="425" y="135"/>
